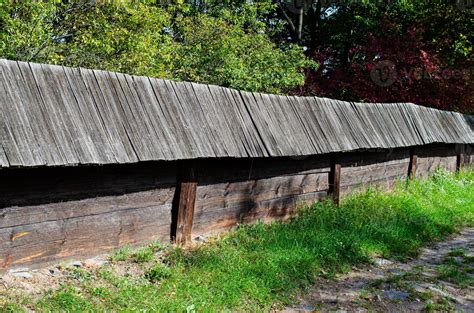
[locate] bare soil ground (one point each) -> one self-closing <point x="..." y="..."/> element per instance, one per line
<point x="441" y="279"/>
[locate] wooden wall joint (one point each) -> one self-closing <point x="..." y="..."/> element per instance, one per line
<point x="186" y="201"/>
<point x="413" y="163"/>
<point x="459" y="157"/>
<point x="335" y="180"/>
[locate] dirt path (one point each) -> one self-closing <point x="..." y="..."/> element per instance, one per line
<point x="441" y="279"/>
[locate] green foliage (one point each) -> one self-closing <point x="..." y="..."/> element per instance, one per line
<point x="121" y="254"/>
<point x="139" y="255"/>
<point x="11" y="307"/>
<point x="26" y="29"/>
<point x="220" y="53"/>
<point x="264" y="266"/>
<point x="68" y="298"/>
<point x="223" y="45"/>
<point x="157" y="273"/>
<point x="142" y="255"/>
<point x="79" y="273"/>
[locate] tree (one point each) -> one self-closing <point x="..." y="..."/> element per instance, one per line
<point x="261" y="45"/>
<point x="233" y="49"/>
<point x="424" y="46"/>
<point x="222" y="45"/>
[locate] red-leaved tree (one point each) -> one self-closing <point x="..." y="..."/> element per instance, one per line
<point x="393" y="66"/>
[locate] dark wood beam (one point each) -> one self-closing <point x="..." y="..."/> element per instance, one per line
<point x="186" y="201"/>
<point x="413" y="164"/>
<point x="459" y="157"/>
<point x="335" y="180"/>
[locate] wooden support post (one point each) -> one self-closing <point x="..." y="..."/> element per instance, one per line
<point x="459" y="157"/>
<point x="413" y="164"/>
<point x="187" y="198"/>
<point x="335" y="180"/>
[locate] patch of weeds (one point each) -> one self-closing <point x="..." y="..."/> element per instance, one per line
<point x="439" y="305"/>
<point x="413" y="294"/>
<point x="365" y="294"/>
<point x="459" y="252"/>
<point x="157" y="273"/>
<point x="121" y="254"/>
<point x="11" y="307"/>
<point x="156" y="245"/>
<point x="377" y="283"/>
<point x="414" y="275"/>
<point x="142" y="255"/>
<point x="67" y="298"/>
<point x="426" y="295"/>
<point x="457" y="269"/>
<point x="100" y="292"/>
<point x="105" y="273"/>
<point x="78" y="273"/>
<point x="458" y="274"/>
<point x="469" y="259"/>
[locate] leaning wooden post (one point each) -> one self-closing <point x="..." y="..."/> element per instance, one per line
<point x="413" y="164"/>
<point x="187" y="199"/>
<point x="335" y="180"/>
<point x="459" y="157"/>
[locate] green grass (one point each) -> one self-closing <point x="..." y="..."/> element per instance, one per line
<point x="264" y="266"/>
<point x="140" y="255"/>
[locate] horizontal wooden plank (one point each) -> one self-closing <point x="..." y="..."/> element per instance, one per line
<point x="224" y="194"/>
<point x="20" y="215"/>
<point x="82" y="236"/>
<point x="365" y="174"/>
<point x="250" y="212"/>
<point x="23" y="187"/>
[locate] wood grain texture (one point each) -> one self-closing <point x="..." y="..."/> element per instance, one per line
<point x="59" y="121"/>
<point x="53" y="115"/>
<point x="3" y="158"/>
<point x="83" y="235"/>
<point x="435" y="156"/>
<point x="15" y="130"/>
<point x="382" y="168"/>
<point x="187" y="199"/>
<point x="459" y="162"/>
<point x="47" y="214"/>
<point x="335" y="182"/>
<point x="233" y="191"/>
<point x="413" y="164"/>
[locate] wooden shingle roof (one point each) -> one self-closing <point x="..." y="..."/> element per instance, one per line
<point x="53" y="115"/>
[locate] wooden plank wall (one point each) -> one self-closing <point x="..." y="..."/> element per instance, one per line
<point x="48" y="214"/>
<point x="246" y="191"/>
<point x="381" y="168"/>
<point x="433" y="156"/>
<point x="55" y="213"/>
<point x="469" y="155"/>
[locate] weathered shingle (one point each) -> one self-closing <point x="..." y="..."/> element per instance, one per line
<point x="54" y="115"/>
